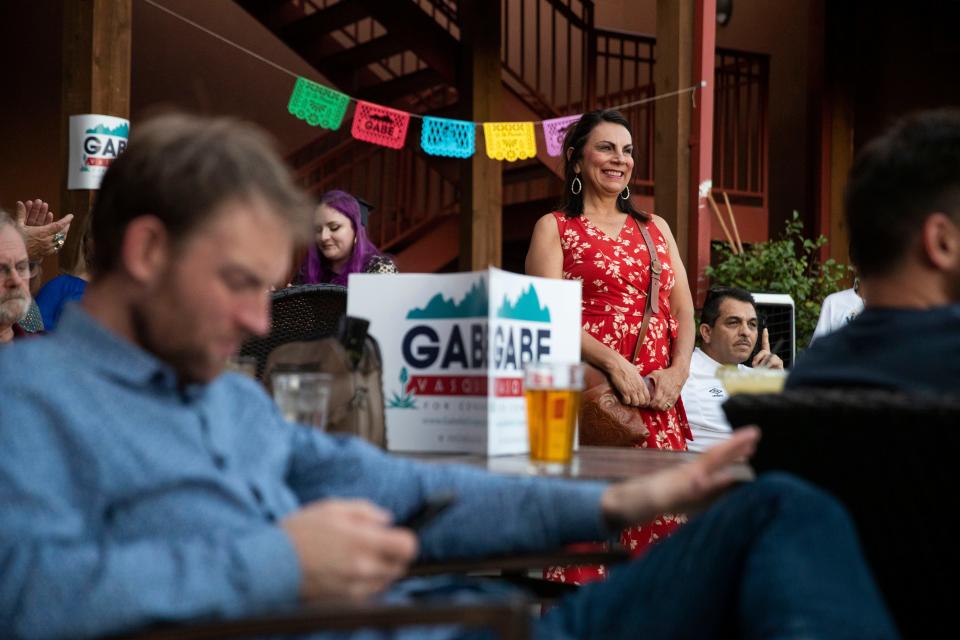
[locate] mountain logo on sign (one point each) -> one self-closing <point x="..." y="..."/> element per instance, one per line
<point x="527" y="308"/>
<point x="473" y="305"/>
<point x="121" y="131"/>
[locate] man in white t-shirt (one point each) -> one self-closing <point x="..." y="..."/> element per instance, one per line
<point x="837" y="310"/>
<point x="728" y="333"/>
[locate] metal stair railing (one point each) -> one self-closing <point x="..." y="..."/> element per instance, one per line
<point x="407" y="191"/>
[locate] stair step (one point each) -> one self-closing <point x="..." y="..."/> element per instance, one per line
<point x="334" y="17"/>
<point x="366" y="53"/>
<point x="432" y="43"/>
<point x="391" y="90"/>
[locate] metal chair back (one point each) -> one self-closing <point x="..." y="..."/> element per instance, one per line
<point x="302" y="312"/>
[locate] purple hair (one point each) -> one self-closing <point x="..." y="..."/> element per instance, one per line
<point x="316" y="268"/>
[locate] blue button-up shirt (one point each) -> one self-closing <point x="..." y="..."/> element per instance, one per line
<point x="128" y="499"/>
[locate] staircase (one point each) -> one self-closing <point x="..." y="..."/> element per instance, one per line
<point x="403" y="54"/>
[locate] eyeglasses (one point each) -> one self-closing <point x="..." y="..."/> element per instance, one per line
<point x="22" y="268"/>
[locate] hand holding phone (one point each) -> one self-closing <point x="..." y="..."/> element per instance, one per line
<point x="430" y="509"/>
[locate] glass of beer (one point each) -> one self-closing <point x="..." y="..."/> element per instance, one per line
<point x="302" y="396"/>
<point x="552" y="391"/>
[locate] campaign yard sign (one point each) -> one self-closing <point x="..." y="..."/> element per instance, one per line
<point x="95" y="142"/>
<point x="453" y="348"/>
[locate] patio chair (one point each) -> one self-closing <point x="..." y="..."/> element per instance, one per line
<point x="303" y="312"/>
<point x="892" y="460"/>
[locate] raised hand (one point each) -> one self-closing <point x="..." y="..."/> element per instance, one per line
<point x="34" y="213"/>
<point x="42" y="235"/>
<point x="682" y="488"/>
<point x="765" y="358"/>
<point x="348" y="549"/>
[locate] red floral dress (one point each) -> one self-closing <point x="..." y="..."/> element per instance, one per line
<point x="615" y="273"/>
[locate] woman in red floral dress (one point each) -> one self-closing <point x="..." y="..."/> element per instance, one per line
<point x="596" y="239"/>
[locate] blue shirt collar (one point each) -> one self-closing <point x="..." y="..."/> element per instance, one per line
<point x="116" y="356"/>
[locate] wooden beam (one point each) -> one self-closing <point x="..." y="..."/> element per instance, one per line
<point x="837" y="127"/>
<point x="95" y="79"/>
<point x="701" y="148"/>
<point x="480" y="87"/>
<point x="671" y="149"/>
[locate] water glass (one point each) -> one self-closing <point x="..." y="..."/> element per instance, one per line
<point x="302" y="396"/>
<point x="246" y="365"/>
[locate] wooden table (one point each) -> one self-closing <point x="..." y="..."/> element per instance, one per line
<point x="589" y="463"/>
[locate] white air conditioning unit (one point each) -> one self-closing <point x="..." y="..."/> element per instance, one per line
<point x="779" y="315"/>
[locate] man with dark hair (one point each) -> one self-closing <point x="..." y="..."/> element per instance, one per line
<point x="728" y="335"/>
<point x="903" y="215"/>
<point x="138" y="485"/>
<point x="14" y="279"/>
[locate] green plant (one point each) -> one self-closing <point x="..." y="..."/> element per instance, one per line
<point x="785" y="265"/>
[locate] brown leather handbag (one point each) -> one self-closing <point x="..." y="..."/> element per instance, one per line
<point x="605" y="420"/>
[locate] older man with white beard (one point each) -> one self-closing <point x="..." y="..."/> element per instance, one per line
<point x="14" y="279"/>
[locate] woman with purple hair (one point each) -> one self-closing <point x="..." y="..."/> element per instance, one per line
<point x="341" y="244"/>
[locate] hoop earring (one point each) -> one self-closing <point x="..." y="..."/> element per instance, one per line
<point x="625" y="194"/>
<point x="576" y="186"/>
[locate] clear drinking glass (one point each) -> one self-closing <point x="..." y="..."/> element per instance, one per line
<point x="302" y="395"/>
<point x="552" y="392"/>
<point x="247" y="365"/>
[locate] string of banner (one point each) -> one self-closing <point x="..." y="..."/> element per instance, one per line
<point x="321" y="106"/>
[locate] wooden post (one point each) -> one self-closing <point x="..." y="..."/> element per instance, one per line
<point x="590" y="63"/>
<point x="95" y="79"/>
<point x="836" y="127"/>
<point x="701" y="148"/>
<point x="671" y="151"/>
<point x="479" y="86"/>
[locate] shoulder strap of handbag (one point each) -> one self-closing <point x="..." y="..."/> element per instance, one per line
<point x="653" y="292"/>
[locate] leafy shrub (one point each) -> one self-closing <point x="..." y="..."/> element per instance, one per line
<point x="785" y="265"/>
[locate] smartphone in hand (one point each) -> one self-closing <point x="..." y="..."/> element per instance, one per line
<point x="430" y="509"/>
